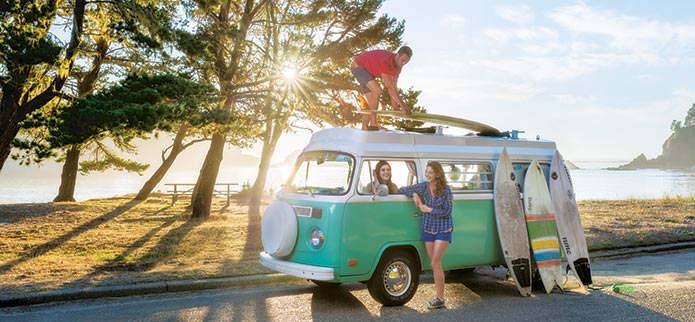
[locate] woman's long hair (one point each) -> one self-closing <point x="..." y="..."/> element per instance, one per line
<point x="439" y="180"/>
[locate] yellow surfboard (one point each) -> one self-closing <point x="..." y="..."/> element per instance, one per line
<point x="482" y="129"/>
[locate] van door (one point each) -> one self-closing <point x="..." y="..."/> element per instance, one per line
<point x="370" y="221"/>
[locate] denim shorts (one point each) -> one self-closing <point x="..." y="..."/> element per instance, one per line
<point x="363" y="77"/>
<point x="430" y="237"/>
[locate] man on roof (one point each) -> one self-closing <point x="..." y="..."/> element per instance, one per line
<point x="369" y="66"/>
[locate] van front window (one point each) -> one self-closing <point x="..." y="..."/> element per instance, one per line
<point x="322" y="173"/>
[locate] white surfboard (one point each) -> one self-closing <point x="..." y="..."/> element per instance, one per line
<point x="542" y="230"/>
<point x="511" y="224"/>
<point x="569" y="225"/>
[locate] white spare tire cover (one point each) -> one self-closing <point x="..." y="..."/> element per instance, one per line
<point x="279" y="229"/>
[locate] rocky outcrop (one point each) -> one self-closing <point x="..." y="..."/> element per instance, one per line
<point x="678" y="152"/>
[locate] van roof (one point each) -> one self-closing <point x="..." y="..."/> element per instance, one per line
<point x="401" y="144"/>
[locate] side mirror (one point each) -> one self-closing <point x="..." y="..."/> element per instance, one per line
<point x="382" y="190"/>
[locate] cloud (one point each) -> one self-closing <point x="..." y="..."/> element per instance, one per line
<point x="584" y="39"/>
<point x="452" y="20"/>
<point x="638" y="40"/>
<point x="520" y="15"/>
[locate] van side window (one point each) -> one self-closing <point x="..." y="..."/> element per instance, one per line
<point x="468" y="176"/>
<point x="403" y="173"/>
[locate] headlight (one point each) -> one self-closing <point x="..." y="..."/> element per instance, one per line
<point x="317" y="237"/>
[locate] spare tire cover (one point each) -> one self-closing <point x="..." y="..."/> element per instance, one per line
<point x="279" y="229"/>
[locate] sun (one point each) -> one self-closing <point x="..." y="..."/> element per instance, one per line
<point x="289" y="74"/>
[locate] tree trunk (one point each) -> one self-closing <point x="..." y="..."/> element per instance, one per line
<point x="273" y="132"/>
<point x="8" y="121"/>
<point x="157" y="176"/>
<point x="68" y="178"/>
<point x="85" y="86"/>
<point x="205" y="187"/>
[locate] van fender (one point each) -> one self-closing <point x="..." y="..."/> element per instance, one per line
<point x="417" y="249"/>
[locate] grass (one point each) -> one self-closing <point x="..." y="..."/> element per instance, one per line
<point x="117" y="241"/>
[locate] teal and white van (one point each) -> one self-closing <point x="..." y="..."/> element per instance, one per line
<point x="326" y="227"/>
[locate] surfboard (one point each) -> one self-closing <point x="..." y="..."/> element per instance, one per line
<point x="569" y="225"/>
<point x="542" y="230"/>
<point x="482" y="129"/>
<point x="511" y="224"/>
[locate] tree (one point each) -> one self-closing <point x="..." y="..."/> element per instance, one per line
<point x="35" y="67"/>
<point x="119" y="37"/>
<point x="218" y="53"/>
<point x="139" y="105"/>
<point x="316" y="41"/>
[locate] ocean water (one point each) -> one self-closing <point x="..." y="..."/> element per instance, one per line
<point x="591" y="182"/>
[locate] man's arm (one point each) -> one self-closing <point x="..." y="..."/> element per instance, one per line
<point x="391" y="85"/>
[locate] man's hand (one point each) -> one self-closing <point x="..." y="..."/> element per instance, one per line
<point x="405" y="109"/>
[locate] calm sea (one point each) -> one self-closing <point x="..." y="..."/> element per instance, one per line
<point x="591" y="181"/>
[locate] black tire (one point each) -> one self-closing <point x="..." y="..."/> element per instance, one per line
<point x="395" y="280"/>
<point x="324" y="284"/>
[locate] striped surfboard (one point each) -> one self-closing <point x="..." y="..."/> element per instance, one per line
<point x="542" y="230"/>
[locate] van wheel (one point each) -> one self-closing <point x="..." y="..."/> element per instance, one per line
<point x="395" y="280"/>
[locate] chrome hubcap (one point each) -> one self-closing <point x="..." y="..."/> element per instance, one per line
<point x="397" y="278"/>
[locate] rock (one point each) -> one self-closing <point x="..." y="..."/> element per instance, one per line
<point x="640" y="162"/>
<point x="677" y="153"/>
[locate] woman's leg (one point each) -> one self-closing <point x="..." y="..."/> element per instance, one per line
<point x="436" y="255"/>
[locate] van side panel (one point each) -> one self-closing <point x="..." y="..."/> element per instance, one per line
<point x="474" y="240"/>
<point x="369" y="225"/>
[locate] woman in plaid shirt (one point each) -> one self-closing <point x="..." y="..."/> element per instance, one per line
<point x="434" y="199"/>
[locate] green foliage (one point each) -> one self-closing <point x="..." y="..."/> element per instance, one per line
<point x="24" y="26"/>
<point x="112" y="162"/>
<point x="145" y="24"/>
<point x="139" y="105"/>
<point x="689" y="120"/>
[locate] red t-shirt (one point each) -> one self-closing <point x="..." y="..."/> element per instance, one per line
<point x="378" y="62"/>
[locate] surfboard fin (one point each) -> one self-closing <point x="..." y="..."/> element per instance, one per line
<point x="522" y="271"/>
<point x="583" y="270"/>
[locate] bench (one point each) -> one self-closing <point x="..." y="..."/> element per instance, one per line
<point x="228" y="190"/>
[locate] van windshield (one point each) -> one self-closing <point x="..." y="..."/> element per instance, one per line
<point x="322" y="173"/>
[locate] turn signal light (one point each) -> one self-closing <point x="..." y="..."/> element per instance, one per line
<point x="352" y="262"/>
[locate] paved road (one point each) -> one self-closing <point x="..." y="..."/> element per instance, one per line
<point x="656" y="287"/>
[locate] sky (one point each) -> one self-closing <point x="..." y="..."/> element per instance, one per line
<point x="603" y="79"/>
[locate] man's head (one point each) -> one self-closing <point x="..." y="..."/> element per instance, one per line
<point x="403" y="56"/>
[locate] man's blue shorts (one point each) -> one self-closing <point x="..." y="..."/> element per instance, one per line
<point x="363" y="77"/>
<point x="429" y="237"/>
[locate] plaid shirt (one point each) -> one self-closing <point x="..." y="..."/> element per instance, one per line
<point x="439" y="220"/>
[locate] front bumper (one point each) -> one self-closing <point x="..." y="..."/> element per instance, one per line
<point x="318" y="273"/>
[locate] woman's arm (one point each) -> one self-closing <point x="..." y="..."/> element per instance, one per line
<point x="410" y="190"/>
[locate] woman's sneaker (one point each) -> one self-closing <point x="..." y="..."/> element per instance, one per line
<point x="436" y="303"/>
